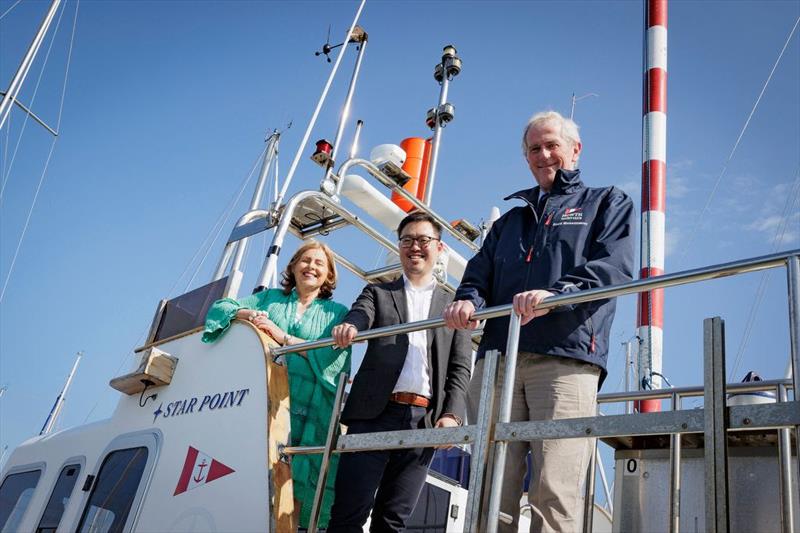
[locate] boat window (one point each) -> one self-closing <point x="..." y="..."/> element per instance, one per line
<point x="114" y="491"/>
<point x="15" y="495"/>
<point x="59" y="499"/>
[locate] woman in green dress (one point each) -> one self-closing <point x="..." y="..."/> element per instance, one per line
<point x="302" y="311"/>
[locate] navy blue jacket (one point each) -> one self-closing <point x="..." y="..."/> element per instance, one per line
<point x="583" y="240"/>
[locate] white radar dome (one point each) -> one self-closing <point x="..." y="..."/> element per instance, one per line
<point x="387" y="152"/>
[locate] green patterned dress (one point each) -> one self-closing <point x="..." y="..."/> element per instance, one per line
<point x="312" y="380"/>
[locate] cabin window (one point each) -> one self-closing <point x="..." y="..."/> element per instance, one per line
<point x="15" y="495"/>
<point x="114" y="491"/>
<point x="59" y="499"/>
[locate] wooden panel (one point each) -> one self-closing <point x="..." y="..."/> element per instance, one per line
<point x="282" y="504"/>
<point x="156" y="367"/>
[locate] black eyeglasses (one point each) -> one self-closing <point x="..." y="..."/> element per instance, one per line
<point x="423" y="241"/>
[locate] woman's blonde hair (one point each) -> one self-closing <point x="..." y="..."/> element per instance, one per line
<point x="289" y="282"/>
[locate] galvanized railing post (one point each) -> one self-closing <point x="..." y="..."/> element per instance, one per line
<point x="793" y="282"/>
<point x="330" y="444"/>
<point x="503" y="415"/>
<point x="675" y="473"/>
<point x="480" y="446"/>
<point x="785" y="470"/>
<point x="588" y="502"/>
<point x="716" y="425"/>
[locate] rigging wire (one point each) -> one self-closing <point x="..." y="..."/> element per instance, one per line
<point x="55" y="139"/>
<point x="700" y="217"/>
<point x="7" y="174"/>
<point x="788" y="211"/>
<point x="227" y="213"/>
<point x="7" y="11"/>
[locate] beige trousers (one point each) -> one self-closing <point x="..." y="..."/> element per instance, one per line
<point x="545" y="388"/>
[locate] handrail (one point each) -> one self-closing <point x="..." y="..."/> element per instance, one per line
<point x="685" y="277"/>
<point x="688" y="392"/>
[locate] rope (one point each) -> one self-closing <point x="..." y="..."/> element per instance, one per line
<point x="788" y="210"/>
<point x="736" y="144"/>
<point x="55" y="139"/>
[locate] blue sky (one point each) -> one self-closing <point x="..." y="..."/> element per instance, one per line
<point x="168" y="104"/>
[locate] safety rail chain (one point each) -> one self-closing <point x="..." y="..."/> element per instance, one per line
<point x="711" y="420"/>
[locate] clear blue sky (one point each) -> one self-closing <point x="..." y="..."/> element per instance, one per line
<point x="168" y="103"/>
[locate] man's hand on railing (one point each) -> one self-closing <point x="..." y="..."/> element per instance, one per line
<point x="344" y="334"/>
<point x="458" y="315"/>
<point x="526" y="302"/>
<point x="446" y="421"/>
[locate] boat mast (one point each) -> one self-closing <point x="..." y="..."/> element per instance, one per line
<point x="236" y="274"/>
<point x="50" y="423"/>
<point x="16" y="82"/>
<point x="270" y="268"/>
<point x="650" y="316"/>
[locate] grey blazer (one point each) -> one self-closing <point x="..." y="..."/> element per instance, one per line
<point x="449" y="355"/>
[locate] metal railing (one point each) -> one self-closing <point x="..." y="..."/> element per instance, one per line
<point x="782" y="416"/>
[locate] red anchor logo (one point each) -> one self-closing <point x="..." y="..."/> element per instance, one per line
<point x="199" y="477"/>
<point x="208" y="470"/>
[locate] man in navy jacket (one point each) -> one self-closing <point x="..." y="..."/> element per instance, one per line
<point x="566" y="237"/>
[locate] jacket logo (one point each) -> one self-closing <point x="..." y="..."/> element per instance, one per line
<point x="571" y="216"/>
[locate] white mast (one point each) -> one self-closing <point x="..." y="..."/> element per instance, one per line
<point x="59" y="403"/>
<point x="16" y="83"/>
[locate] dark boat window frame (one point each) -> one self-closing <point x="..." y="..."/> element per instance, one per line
<point x="150" y="440"/>
<point x="37" y="468"/>
<point x="72" y="494"/>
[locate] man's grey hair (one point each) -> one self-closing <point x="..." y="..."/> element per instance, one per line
<point x="569" y="130"/>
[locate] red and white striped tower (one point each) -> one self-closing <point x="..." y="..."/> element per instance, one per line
<point x="650" y="316"/>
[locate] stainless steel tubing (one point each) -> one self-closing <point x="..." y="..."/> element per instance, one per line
<point x="271" y="261"/>
<point x="356" y="137"/>
<point x="675" y="473"/>
<point x="227" y="252"/>
<point x="437" y="138"/>
<point x="503" y="415"/>
<point x="388" y="182"/>
<point x="668" y="280"/>
<point x="785" y="469"/>
<point x="25" y="65"/>
<point x="347" y="102"/>
<point x="269" y="155"/>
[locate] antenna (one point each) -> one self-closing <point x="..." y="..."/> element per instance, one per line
<point x="579" y="98"/>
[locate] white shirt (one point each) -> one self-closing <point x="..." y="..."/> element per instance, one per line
<point x="416" y="376"/>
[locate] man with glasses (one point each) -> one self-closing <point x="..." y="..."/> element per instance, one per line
<point x="407" y="381"/>
<point x="566" y="237"/>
